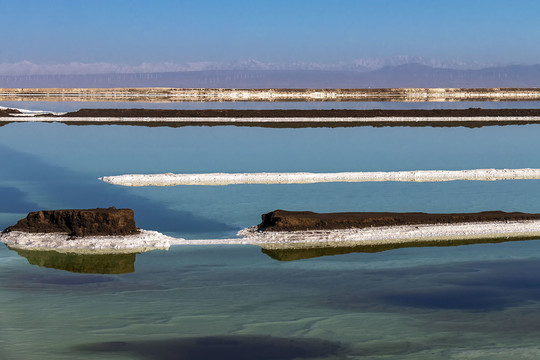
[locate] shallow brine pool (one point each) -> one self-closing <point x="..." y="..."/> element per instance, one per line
<point x="236" y="302"/>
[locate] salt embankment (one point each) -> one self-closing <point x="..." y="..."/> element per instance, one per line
<point x="170" y="179"/>
<point x="150" y="240"/>
<point x="145" y="240"/>
<point x="282" y="118"/>
<point x="101" y="230"/>
<point x="392" y="234"/>
<point x="111" y="230"/>
<point x="282" y="122"/>
<point x="164" y="94"/>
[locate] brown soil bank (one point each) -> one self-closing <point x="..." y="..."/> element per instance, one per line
<point x="90" y="222"/>
<point x="292" y="113"/>
<point x="281" y="220"/>
<point x="8" y="112"/>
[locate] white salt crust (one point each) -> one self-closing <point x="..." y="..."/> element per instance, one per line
<point x="393" y="234"/>
<point x="145" y="240"/>
<point x="150" y="240"/>
<point x="170" y="179"/>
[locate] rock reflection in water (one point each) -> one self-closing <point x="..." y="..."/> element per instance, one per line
<point x="304" y="251"/>
<point x="81" y="263"/>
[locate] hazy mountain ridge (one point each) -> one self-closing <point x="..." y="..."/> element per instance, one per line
<point x="406" y="75"/>
<point x="362" y="64"/>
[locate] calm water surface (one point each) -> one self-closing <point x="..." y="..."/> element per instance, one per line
<point x="465" y="302"/>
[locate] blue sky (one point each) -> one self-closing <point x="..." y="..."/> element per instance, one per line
<point x="133" y="32"/>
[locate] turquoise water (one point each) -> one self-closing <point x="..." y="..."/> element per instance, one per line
<point x="464" y="302"/>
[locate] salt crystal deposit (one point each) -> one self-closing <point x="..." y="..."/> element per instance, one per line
<point x="170" y="179"/>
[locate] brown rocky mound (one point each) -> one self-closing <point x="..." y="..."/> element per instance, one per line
<point x="86" y="222"/>
<point x="8" y="112"/>
<point x="281" y="220"/>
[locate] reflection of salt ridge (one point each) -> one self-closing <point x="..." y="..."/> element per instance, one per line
<point x="25" y="112"/>
<point x="394" y="234"/>
<point x="305" y="178"/>
<point x="143" y="241"/>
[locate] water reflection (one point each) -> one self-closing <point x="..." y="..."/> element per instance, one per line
<point x="294" y="253"/>
<point x="70" y="189"/>
<point x="81" y="263"/>
<point x="301" y="124"/>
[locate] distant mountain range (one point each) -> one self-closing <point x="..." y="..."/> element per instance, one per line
<point x="401" y="76"/>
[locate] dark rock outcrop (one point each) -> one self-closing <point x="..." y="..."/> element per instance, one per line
<point x="86" y="222"/>
<point x="281" y="220"/>
<point x="8" y="112"/>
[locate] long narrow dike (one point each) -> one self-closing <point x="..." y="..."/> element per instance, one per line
<point x="170" y="179"/>
<point x="179" y="94"/>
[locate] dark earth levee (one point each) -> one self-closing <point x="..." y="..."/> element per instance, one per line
<point x="285" y="113"/>
<point x="299" y="113"/>
<point x="295" y="118"/>
<point x="282" y="220"/>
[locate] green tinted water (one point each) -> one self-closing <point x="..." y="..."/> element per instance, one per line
<point x="465" y="302"/>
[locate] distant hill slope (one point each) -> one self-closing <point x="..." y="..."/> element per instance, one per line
<point x="409" y="75"/>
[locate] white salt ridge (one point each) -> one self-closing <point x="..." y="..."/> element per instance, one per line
<point x="170" y="179"/>
<point x="393" y="234"/>
<point x="255" y="120"/>
<point x="150" y="240"/>
<point x="145" y="240"/>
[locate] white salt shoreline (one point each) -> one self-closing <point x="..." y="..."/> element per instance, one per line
<point x="393" y="234"/>
<point x="170" y="179"/>
<point x="150" y="240"/>
<point x="255" y="120"/>
<point x="145" y="240"/>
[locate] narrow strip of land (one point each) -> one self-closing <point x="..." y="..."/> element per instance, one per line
<point x="186" y="94"/>
<point x="392" y="234"/>
<point x="170" y="179"/>
<point x="144" y="240"/>
<point x="279" y="118"/>
<point x="250" y="114"/>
